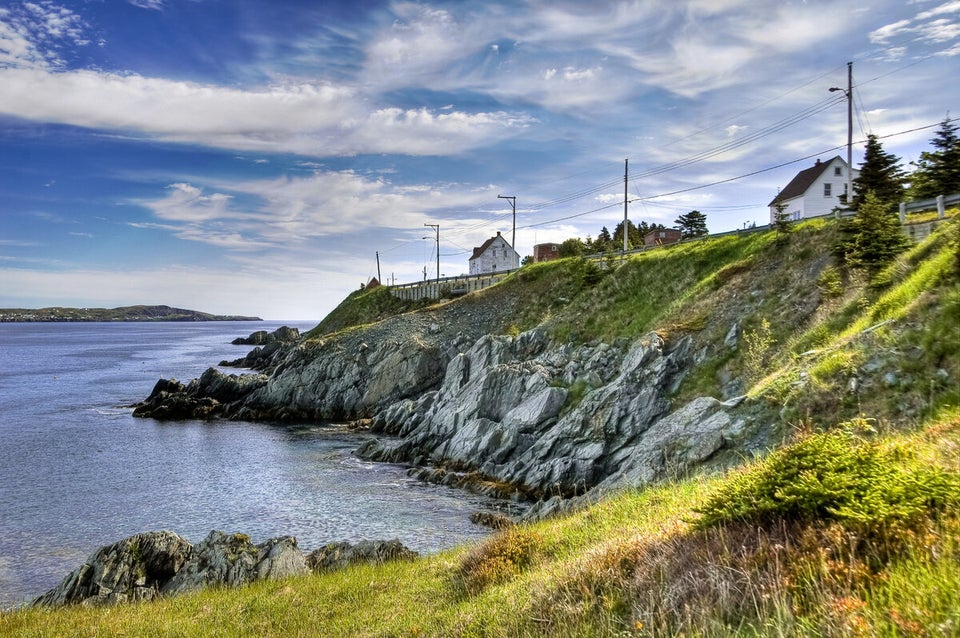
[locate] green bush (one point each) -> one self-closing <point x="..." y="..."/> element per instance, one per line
<point x="835" y="476"/>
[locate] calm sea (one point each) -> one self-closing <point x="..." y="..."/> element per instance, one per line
<point x="77" y="471"/>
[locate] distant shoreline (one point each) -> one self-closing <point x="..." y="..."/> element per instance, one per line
<point x="122" y="314"/>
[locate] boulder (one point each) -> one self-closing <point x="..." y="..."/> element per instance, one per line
<point x="339" y="555"/>
<point x="233" y="560"/>
<point x="152" y="564"/>
<point x="271" y="347"/>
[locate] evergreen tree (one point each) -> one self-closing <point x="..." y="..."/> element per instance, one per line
<point x="938" y="171"/>
<point x="880" y="174"/>
<point x="692" y="224"/>
<point x="634" y="237"/>
<point x="572" y="247"/>
<point x="874" y="236"/>
<point x="782" y="222"/>
<point x="604" y="241"/>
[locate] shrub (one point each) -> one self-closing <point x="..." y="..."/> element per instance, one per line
<point x="758" y="344"/>
<point x="498" y="560"/>
<point x="836" y="476"/>
<point x="829" y="282"/>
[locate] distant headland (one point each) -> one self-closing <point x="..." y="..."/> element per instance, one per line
<point x="125" y="313"/>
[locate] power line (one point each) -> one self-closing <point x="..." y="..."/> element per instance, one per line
<point x="648" y="198"/>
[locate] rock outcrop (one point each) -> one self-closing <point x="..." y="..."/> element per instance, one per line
<point x="269" y="348"/>
<point x="207" y="397"/>
<point x="153" y="564"/>
<point x="558" y="420"/>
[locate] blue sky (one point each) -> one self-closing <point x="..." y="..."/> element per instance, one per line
<point x="252" y="157"/>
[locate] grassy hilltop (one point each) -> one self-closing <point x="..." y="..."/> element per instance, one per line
<point x="850" y="528"/>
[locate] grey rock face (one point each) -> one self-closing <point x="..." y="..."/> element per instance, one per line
<point x="557" y="420"/>
<point x="152" y="564"/>
<point x="270" y="348"/>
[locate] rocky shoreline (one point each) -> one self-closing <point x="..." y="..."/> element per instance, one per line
<point x="161" y="564"/>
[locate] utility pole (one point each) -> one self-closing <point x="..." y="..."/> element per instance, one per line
<point x="849" y="94"/>
<point x="849" y="133"/>
<point x="436" y="227"/>
<point x="513" y="203"/>
<point x="626" y="176"/>
<point x="378" y="268"/>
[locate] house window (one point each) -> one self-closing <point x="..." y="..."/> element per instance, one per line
<point x="837" y="171"/>
<point x="827" y="188"/>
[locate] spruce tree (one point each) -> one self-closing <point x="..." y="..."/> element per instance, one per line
<point x="782" y="222"/>
<point x="874" y="236"/>
<point x="692" y="224"/>
<point x="880" y="174"/>
<point x="938" y="171"/>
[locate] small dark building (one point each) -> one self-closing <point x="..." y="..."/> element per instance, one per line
<point x="545" y="252"/>
<point x="661" y="237"/>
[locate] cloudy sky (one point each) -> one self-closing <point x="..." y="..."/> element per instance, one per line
<point x="254" y="156"/>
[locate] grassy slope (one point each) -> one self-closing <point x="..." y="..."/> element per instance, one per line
<point x="633" y="564"/>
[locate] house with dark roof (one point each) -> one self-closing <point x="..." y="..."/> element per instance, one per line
<point x="495" y="255"/>
<point x="815" y="191"/>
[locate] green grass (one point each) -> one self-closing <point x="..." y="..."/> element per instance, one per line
<point x="638" y="563"/>
<point x="363" y="307"/>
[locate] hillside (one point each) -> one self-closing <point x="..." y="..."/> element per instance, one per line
<point x="124" y="313"/>
<point x="782" y="321"/>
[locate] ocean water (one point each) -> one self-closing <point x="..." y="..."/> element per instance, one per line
<point x="77" y="471"/>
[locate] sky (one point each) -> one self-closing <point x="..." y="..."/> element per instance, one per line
<point x="255" y="157"/>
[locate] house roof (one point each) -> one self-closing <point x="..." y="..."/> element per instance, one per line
<point x="804" y="180"/>
<point x="479" y="250"/>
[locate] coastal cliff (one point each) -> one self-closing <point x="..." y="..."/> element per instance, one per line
<point x="572" y="377"/>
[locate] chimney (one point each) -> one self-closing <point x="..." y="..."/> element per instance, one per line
<point x="818" y="162"/>
<point x="498" y="233"/>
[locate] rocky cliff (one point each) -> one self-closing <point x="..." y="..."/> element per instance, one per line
<point x="510" y="415"/>
<point x="569" y="379"/>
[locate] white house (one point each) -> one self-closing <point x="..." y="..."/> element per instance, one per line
<point x="495" y="255"/>
<point x="815" y="191"/>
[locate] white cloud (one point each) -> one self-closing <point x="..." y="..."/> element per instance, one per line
<point x="936" y="26"/>
<point x="148" y="4"/>
<point x="288" y="213"/>
<point x="310" y="119"/>
<point x="32" y="33"/>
